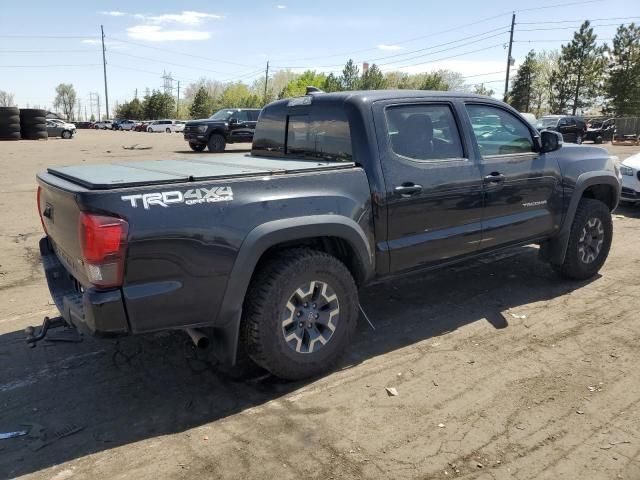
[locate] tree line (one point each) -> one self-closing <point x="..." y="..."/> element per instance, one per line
<point x="581" y="75"/>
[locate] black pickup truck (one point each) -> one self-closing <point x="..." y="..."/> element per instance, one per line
<point x="264" y="253"/>
<point x="229" y="125"/>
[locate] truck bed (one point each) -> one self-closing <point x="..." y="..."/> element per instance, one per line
<point x="200" y="168"/>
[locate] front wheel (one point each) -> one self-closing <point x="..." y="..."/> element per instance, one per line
<point x="300" y="313"/>
<point x="168" y="130"/>
<point x="589" y="240"/>
<point x="149" y="130"/>
<point x="197" y="147"/>
<point x="66" y="134"/>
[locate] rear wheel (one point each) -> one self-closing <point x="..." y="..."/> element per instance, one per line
<point x="598" y="140"/>
<point x="217" y="143"/>
<point x="589" y="240"/>
<point x="300" y="313"/>
<point x="197" y="147"/>
<point x="168" y="130"/>
<point x="150" y="130"/>
<point x="579" y="139"/>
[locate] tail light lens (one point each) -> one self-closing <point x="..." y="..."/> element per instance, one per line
<point x="103" y="241"/>
<point x="38" y="195"/>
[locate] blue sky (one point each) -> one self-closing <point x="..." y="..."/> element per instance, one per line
<point x="146" y="38"/>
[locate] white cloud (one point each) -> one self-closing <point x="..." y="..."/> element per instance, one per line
<point x="113" y="44"/>
<point x="113" y="13"/>
<point x="390" y="47"/>
<point x="281" y="7"/>
<point x="155" y="33"/>
<point x="187" y="17"/>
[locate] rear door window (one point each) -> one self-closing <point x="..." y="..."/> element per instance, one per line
<point x="423" y="132"/>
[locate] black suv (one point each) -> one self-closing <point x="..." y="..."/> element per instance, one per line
<point x="572" y="128"/>
<point x="229" y="125"/>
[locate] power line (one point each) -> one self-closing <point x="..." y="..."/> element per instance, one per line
<point x="53" y="66"/>
<point x="451" y="56"/>
<point x="48" y="51"/>
<point x="571" y="27"/>
<point x="165" y="50"/>
<point x="169" y="63"/>
<point x="50" y="36"/>
<point x="577" y="20"/>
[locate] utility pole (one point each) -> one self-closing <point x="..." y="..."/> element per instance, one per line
<point x="178" y="103"/>
<point x="266" y="82"/>
<point x="136" y="94"/>
<point x="98" y="97"/>
<point x="104" y="66"/>
<point x="509" y="59"/>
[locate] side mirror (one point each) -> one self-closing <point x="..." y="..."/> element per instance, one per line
<point x="551" y="141"/>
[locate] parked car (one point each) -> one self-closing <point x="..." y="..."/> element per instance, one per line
<point x="103" y="125"/>
<point x="141" y="126"/>
<point x="630" y="170"/>
<point x="265" y="252"/>
<point x="229" y="125"/>
<point x="167" y="126"/>
<point x="178" y="127"/>
<point x="529" y="117"/>
<point x="572" y="128"/>
<point x="127" y="124"/>
<point x="599" y="131"/>
<point x="59" y="128"/>
<point x="83" y="125"/>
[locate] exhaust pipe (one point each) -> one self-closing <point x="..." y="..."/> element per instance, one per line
<point x="199" y="339"/>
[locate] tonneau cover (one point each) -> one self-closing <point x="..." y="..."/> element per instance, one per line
<point x="200" y="168"/>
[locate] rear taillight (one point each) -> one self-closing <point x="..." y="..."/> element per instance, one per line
<point x="103" y="241"/>
<point x="38" y="195"/>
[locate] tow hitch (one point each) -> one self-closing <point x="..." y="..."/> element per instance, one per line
<point x="48" y="324"/>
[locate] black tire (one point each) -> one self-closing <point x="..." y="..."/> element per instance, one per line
<point x="120" y="128"/>
<point x="66" y="134"/>
<point x="149" y="130"/>
<point x="589" y="240"/>
<point x="10" y="136"/>
<point x="216" y="143"/>
<point x="9" y="128"/>
<point x="35" y="135"/>
<point x="33" y="120"/>
<point x="168" y="130"/>
<point x="579" y="139"/>
<point x="6" y="112"/>
<point x="9" y="119"/>
<point x="197" y="147"/>
<point x="330" y="313"/>
<point x="96" y="127"/>
<point x="598" y="140"/>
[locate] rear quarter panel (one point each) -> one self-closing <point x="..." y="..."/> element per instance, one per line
<point x="179" y="257"/>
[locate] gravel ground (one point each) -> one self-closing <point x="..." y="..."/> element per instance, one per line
<point x="502" y="369"/>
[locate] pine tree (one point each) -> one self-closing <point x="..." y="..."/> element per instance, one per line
<point x="579" y="71"/>
<point x="521" y="96"/>
<point x="201" y="105"/>
<point x="623" y="82"/>
<point x="350" y="78"/>
<point x="480" y="89"/>
<point x="373" y="79"/>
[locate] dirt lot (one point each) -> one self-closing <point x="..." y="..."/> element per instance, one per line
<point x="503" y="371"/>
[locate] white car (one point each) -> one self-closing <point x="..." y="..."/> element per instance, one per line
<point x="167" y="126"/>
<point x="103" y="125"/>
<point x="127" y="124"/>
<point x="179" y="126"/>
<point x="630" y="170"/>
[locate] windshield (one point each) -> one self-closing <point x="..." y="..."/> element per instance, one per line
<point x="221" y="115"/>
<point x="547" y="122"/>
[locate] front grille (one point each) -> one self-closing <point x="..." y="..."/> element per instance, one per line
<point x="191" y="129"/>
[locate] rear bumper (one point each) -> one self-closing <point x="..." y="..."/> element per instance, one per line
<point x="93" y="311"/>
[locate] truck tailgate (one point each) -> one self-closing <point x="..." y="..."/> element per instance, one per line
<point x="157" y="172"/>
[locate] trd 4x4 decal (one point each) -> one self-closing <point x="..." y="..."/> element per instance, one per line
<point x="194" y="196"/>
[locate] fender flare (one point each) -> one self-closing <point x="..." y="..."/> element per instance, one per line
<point x="554" y="250"/>
<point x="255" y="244"/>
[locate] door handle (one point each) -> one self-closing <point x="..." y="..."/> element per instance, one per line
<point x="407" y="189"/>
<point x="494" y="179"/>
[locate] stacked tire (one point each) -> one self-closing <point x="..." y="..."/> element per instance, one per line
<point x="9" y="123"/>
<point x="33" y="124"/>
